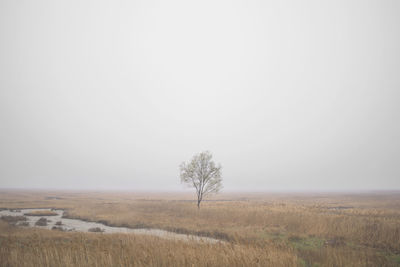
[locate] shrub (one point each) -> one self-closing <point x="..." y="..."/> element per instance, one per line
<point x="13" y="219"/>
<point x="41" y="222"/>
<point x="96" y="230"/>
<point x="58" y="228"/>
<point x="23" y="224"/>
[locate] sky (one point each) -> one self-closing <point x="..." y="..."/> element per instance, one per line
<point x="287" y="95"/>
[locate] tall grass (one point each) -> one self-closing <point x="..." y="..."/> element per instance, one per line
<point x="324" y="229"/>
<point x="33" y="247"/>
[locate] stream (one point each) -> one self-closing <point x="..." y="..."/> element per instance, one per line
<point x="84" y="226"/>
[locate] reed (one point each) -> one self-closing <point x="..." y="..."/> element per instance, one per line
<point x="322" y="229"/>
<point x="36" y="247"/>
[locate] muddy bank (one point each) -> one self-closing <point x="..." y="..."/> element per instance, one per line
<point x="58" y="221"/>
<point x="219" y="236"/>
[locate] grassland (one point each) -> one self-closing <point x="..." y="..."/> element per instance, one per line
<point x="37" y="247"/>
<point x="261" y="229"/>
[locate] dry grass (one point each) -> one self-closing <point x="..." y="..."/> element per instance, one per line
<point x="35" y="247"/>
<point x="324" y="229"/>
<point x="41" y="213"/>
<point x="13" y="219"/>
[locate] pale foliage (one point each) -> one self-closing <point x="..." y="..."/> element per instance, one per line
<point x="203" y="174"/>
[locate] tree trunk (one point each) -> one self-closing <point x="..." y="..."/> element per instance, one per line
<point x="198" y="203"/>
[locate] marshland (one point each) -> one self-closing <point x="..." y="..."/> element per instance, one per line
<point x="257" y="229"/>
<point x="200" y="133"/>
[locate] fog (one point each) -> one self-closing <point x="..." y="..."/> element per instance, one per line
<point x="287" y="95"/>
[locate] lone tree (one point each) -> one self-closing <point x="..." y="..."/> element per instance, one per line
<point x="202" y="174"/>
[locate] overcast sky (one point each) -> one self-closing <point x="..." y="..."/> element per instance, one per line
<point x="287" y="95"/>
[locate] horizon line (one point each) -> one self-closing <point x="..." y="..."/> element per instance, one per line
<point x="189" y="191"/>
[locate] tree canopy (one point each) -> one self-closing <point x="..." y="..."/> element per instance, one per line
<point x="203" y="174"/>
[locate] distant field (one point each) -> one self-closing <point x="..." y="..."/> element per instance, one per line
<point x="261" y="230"/>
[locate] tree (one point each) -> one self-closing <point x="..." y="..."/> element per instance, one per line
<point x="202" y="174"/>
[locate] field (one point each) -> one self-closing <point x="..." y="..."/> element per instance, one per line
<point x="259" y="229"/>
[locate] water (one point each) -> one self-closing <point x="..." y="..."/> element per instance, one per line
<point x="83" y="226"/>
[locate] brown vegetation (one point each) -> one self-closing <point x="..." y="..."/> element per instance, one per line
<point x="41" y="222"/>
<point x="36" y="247"/>
<point x="323" y="229"/>
<point x="41" y="213"/>
<point x="13" y="219"/>
<point x="96" y="230"/>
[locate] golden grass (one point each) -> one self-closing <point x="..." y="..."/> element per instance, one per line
<point x="324" y="229"/>
<point x="35" y="247"/>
